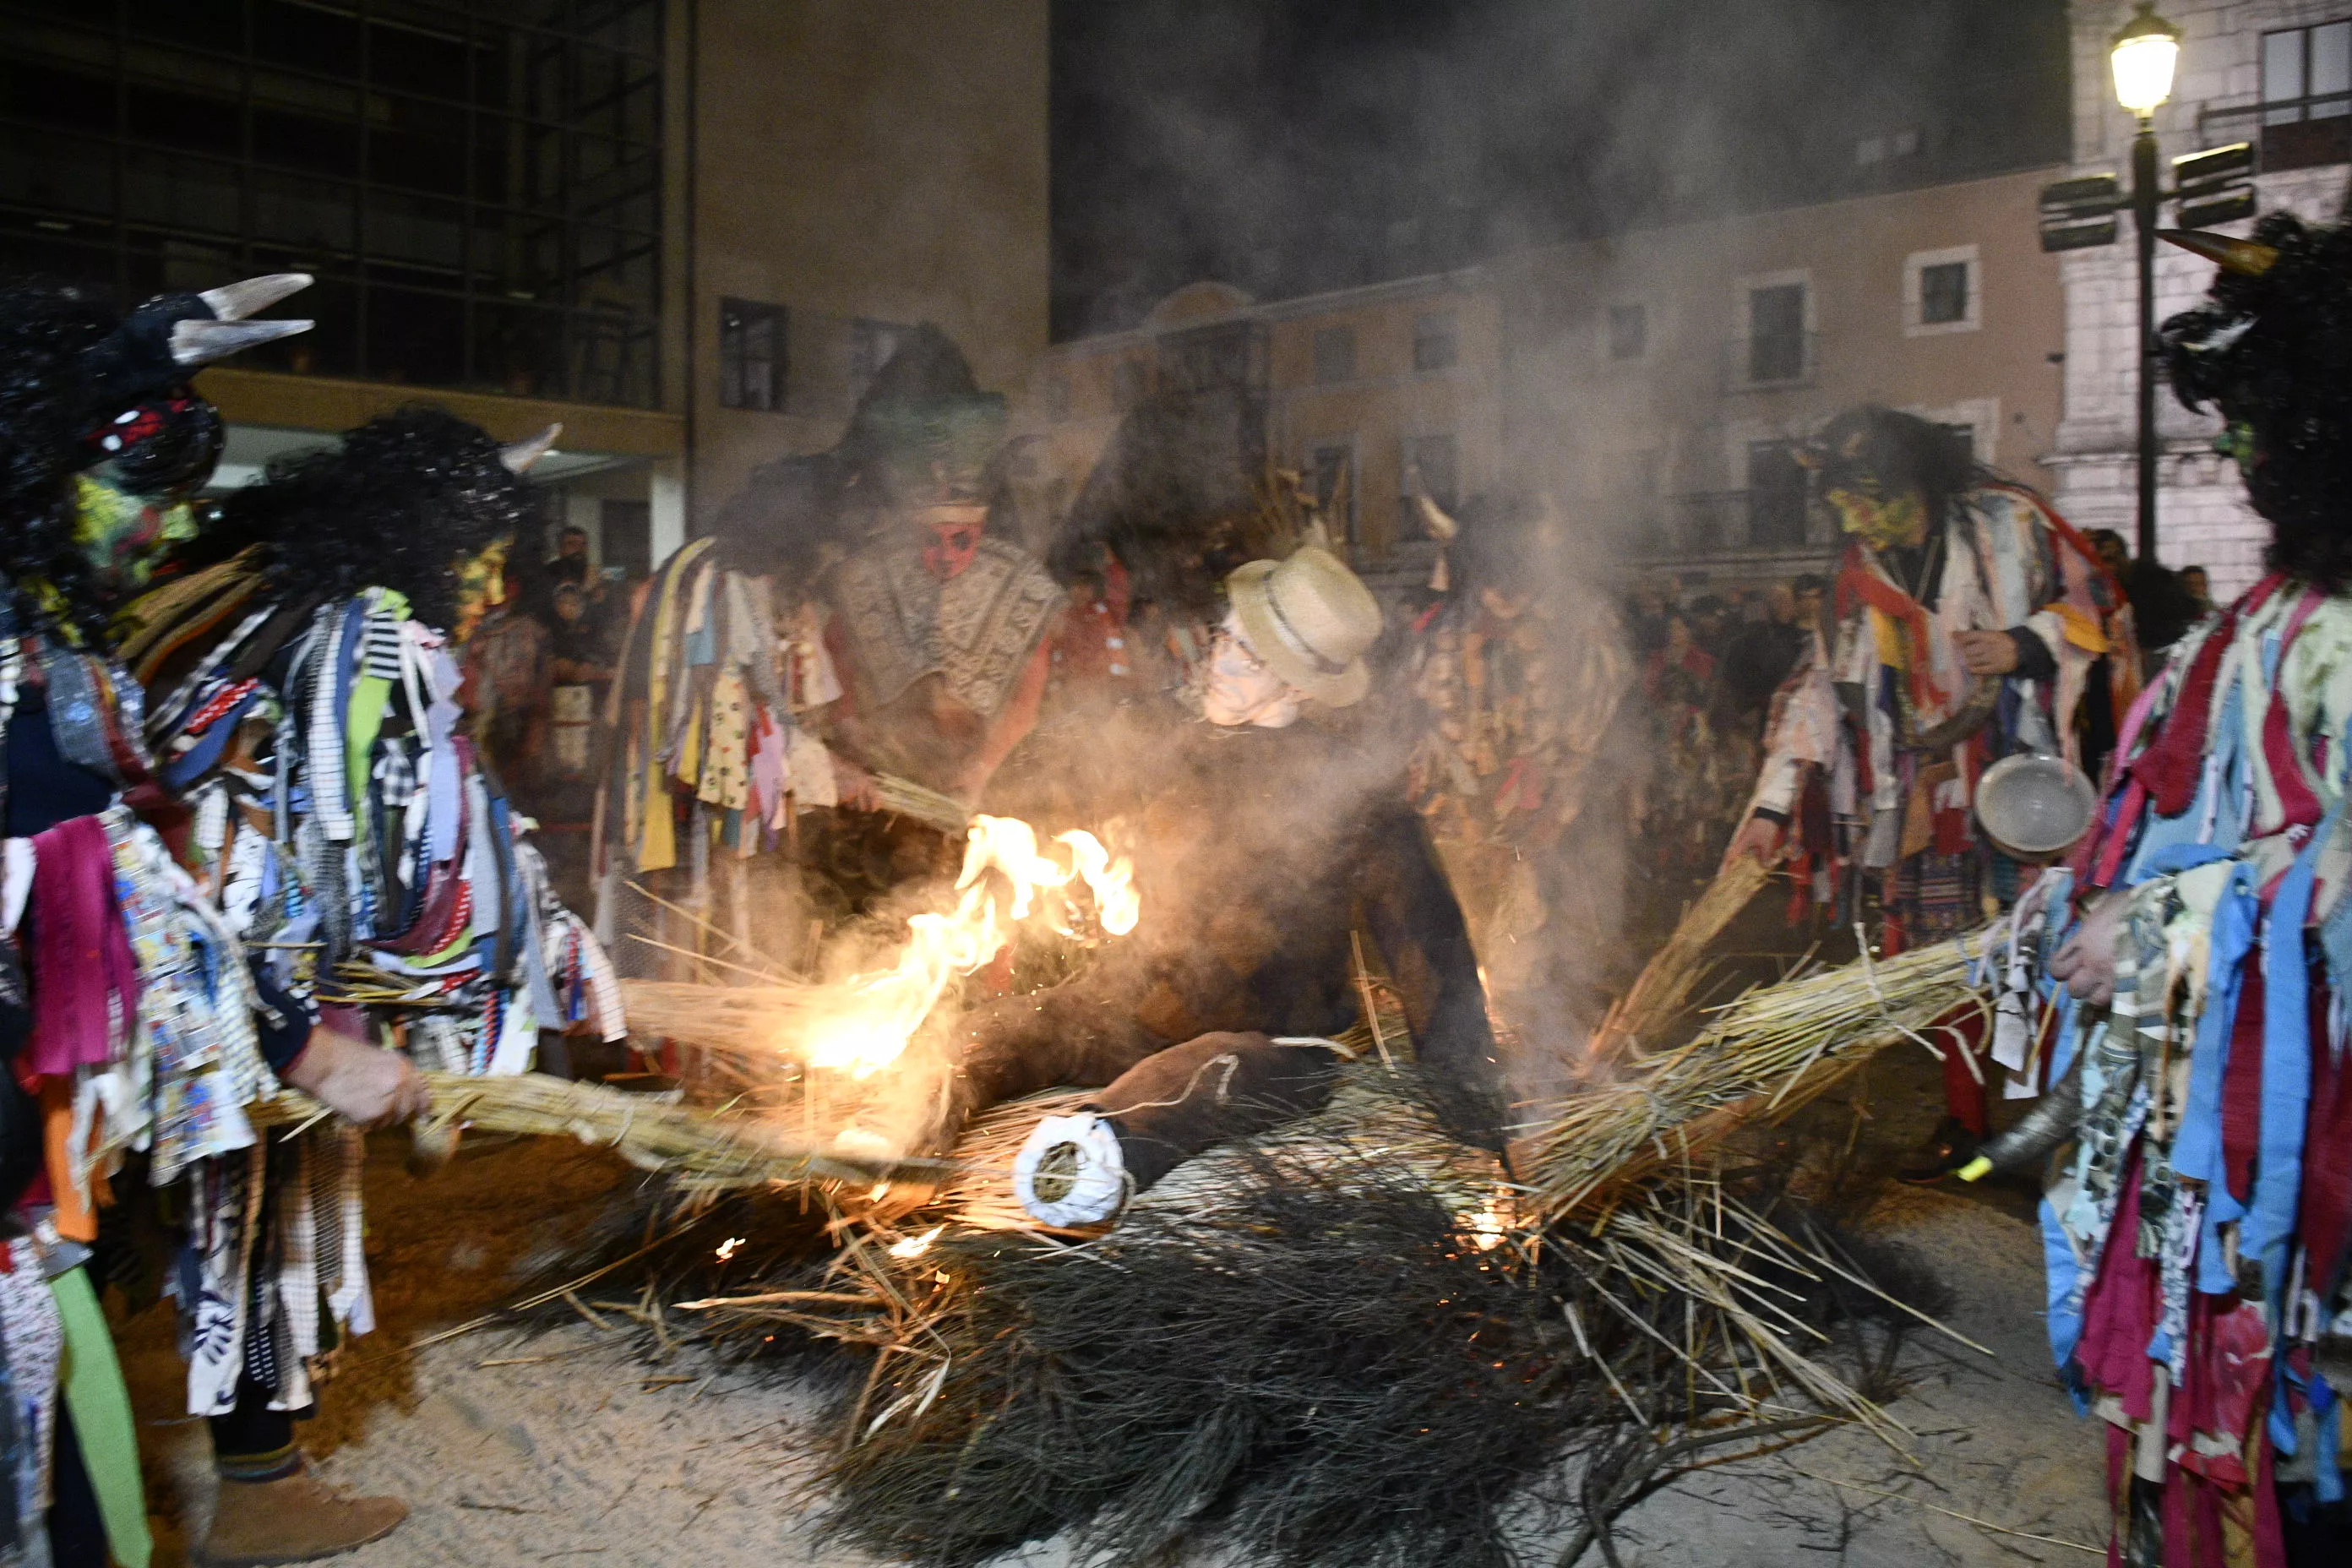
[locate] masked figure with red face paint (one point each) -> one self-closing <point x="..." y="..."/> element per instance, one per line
<point x="941" y="631"/>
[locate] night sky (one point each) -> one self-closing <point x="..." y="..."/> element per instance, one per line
<point x="1297" y="146"/>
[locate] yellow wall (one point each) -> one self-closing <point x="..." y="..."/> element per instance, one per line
<point x="855" y="158"/>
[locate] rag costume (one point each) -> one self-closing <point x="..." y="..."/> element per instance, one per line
<point x="354" y="845"/>
<point x="133" y="1027"/>
<point x="2200" y="1220"/>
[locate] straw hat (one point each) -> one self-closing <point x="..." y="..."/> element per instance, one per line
<point x="1310" y="619"/>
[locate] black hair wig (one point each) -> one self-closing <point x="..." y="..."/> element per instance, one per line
<point x="47" y="330"/>
<point x="397" y="505"/>
<point x="2273" y="350"/>
<point x="1897" y="452"/>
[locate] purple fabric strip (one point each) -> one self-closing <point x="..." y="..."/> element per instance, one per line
<point x="84" y="980"/>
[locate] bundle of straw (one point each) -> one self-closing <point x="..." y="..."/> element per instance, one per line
<point x="1644" y="1013"/>
<point x="902" y="797"/>
<point x="743" y="1020"/>
<point x="700" y="1150"/>
<point x="1771" y="1050"/>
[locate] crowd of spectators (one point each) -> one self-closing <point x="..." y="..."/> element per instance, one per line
<point x="538" y="665"/>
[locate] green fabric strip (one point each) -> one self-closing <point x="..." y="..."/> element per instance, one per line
<point x="101" y="1419"/>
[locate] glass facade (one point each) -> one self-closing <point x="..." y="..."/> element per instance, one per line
<point x="477" y="187"/>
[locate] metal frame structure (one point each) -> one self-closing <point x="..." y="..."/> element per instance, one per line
<point x="498" y="230"/>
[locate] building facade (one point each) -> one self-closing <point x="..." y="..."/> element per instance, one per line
<point x="2277" y="73"/>
<point x="1653" y="384"/>
<point x="687" y="229"/>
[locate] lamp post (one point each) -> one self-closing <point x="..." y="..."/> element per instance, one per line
<point x="2143" y="56"/>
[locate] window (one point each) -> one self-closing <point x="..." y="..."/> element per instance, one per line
<point x="1335" y="489"/>
<point x="1439" y="460"/>
<point x="751" y="356"/>
<point x="477" y="188"/>
<point x="1776" y="333"/>
<point x="1629" y="332"/>
<point x="1776" y="496"/>
<point x="1436" y="344"/>
<point x="626" y="536"/>
<point x="1335" y="355"/>
<point x="2307" y="96"/>
<point x="1940" y="291"/>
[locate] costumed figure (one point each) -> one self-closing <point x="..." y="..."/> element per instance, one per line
<point x="302" y="705"/>
<point x="2198" y="1219"/>
<point x="941" y="631"/>
<point x="1277" y="825"/>
<point x="1523" y="678"/>
<point x="1968" y="617"/>
<point x="140" y="1033"/>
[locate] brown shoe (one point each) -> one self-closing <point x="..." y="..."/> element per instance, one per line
<point x="293" y="1520"/>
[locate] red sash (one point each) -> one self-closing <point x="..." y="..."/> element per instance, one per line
<point x="1855" y="580"/>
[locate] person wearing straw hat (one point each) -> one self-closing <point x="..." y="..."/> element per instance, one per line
<point x="1272" y="825"/>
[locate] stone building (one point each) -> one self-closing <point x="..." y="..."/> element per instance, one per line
<point x="2277" y="73"/>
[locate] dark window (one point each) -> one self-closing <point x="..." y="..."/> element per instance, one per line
<point x="1335" y="489"/>
<point x="1776" y="333"/>
<point x="1335" y="355"/>
<point x="1436" y="344"/>
<point x="1439" y="460"/>
<point x="1776" y="496"/>
<point x="627" y="536"/>
<point x="1944" y="293"/>
<point x="1629" y="332"/>
<point x="751" y="355"/>
<point x="477" y="188"/>
<point x="2307" y="96"/>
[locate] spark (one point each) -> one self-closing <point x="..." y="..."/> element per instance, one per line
<point x="916" y="1245"/>
<point x="726" y="1247"/>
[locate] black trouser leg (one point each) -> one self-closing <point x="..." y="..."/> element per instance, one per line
<point x="252" y="1442"/>
<point x="1172" y="1106"/>
<point x="77" y="1533"/>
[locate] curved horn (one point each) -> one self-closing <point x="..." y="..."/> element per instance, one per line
<point x="236" y="302"/>
<point x="2242" y="256"/>
<point x="195" y="343"/>
<point x="519" y="456"/>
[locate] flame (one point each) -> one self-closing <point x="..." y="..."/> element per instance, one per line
<point x="865" y="1024"/>
<point x="916" y="1245"/>
<point x="1489" y="1225"/>
<point x="726" y="1247"/>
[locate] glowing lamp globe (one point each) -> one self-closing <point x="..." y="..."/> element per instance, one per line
<point x="2143" y="56"/>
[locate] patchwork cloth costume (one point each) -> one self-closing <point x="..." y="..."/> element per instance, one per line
<point x="2199" y="1222"/>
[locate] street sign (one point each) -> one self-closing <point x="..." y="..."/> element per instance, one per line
<point x="2077" y="214"/>
<point x="2215" y="186"/>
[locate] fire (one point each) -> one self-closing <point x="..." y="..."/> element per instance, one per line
<point x="870" y="1019"/>
<point x="916" y="1245"/>
<point x="1489" y="1225"/>
<point x="726" y="1247"/>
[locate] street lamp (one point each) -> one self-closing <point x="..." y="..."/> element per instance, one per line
<point x="2143" y="56"/>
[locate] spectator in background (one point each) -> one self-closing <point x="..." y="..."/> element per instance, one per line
<point x="2160" y="605"/>
<point x="571" y="562"/>
<point x="507" y="682"/>
<point x="1762" y="654"/>
<point x="1711" y="623"/>
<point x="576" y="650"/>
<point x="2200" y="590"/>
<point x="1645" y="618"/>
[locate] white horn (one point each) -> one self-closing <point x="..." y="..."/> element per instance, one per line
<point x="236" y="302"/>
<point x="195" y="343"/>
<point x="520" y="456"/>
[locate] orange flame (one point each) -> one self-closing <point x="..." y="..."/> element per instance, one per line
<point x="864" y="1025"/>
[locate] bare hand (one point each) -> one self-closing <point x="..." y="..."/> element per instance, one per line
<point x="1758" y="836"/>
<point x="1986" y="653"/>
<point x="364" y="1084"/>
<point x="2086" y="963"/>
<point x="853" y="786"/>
